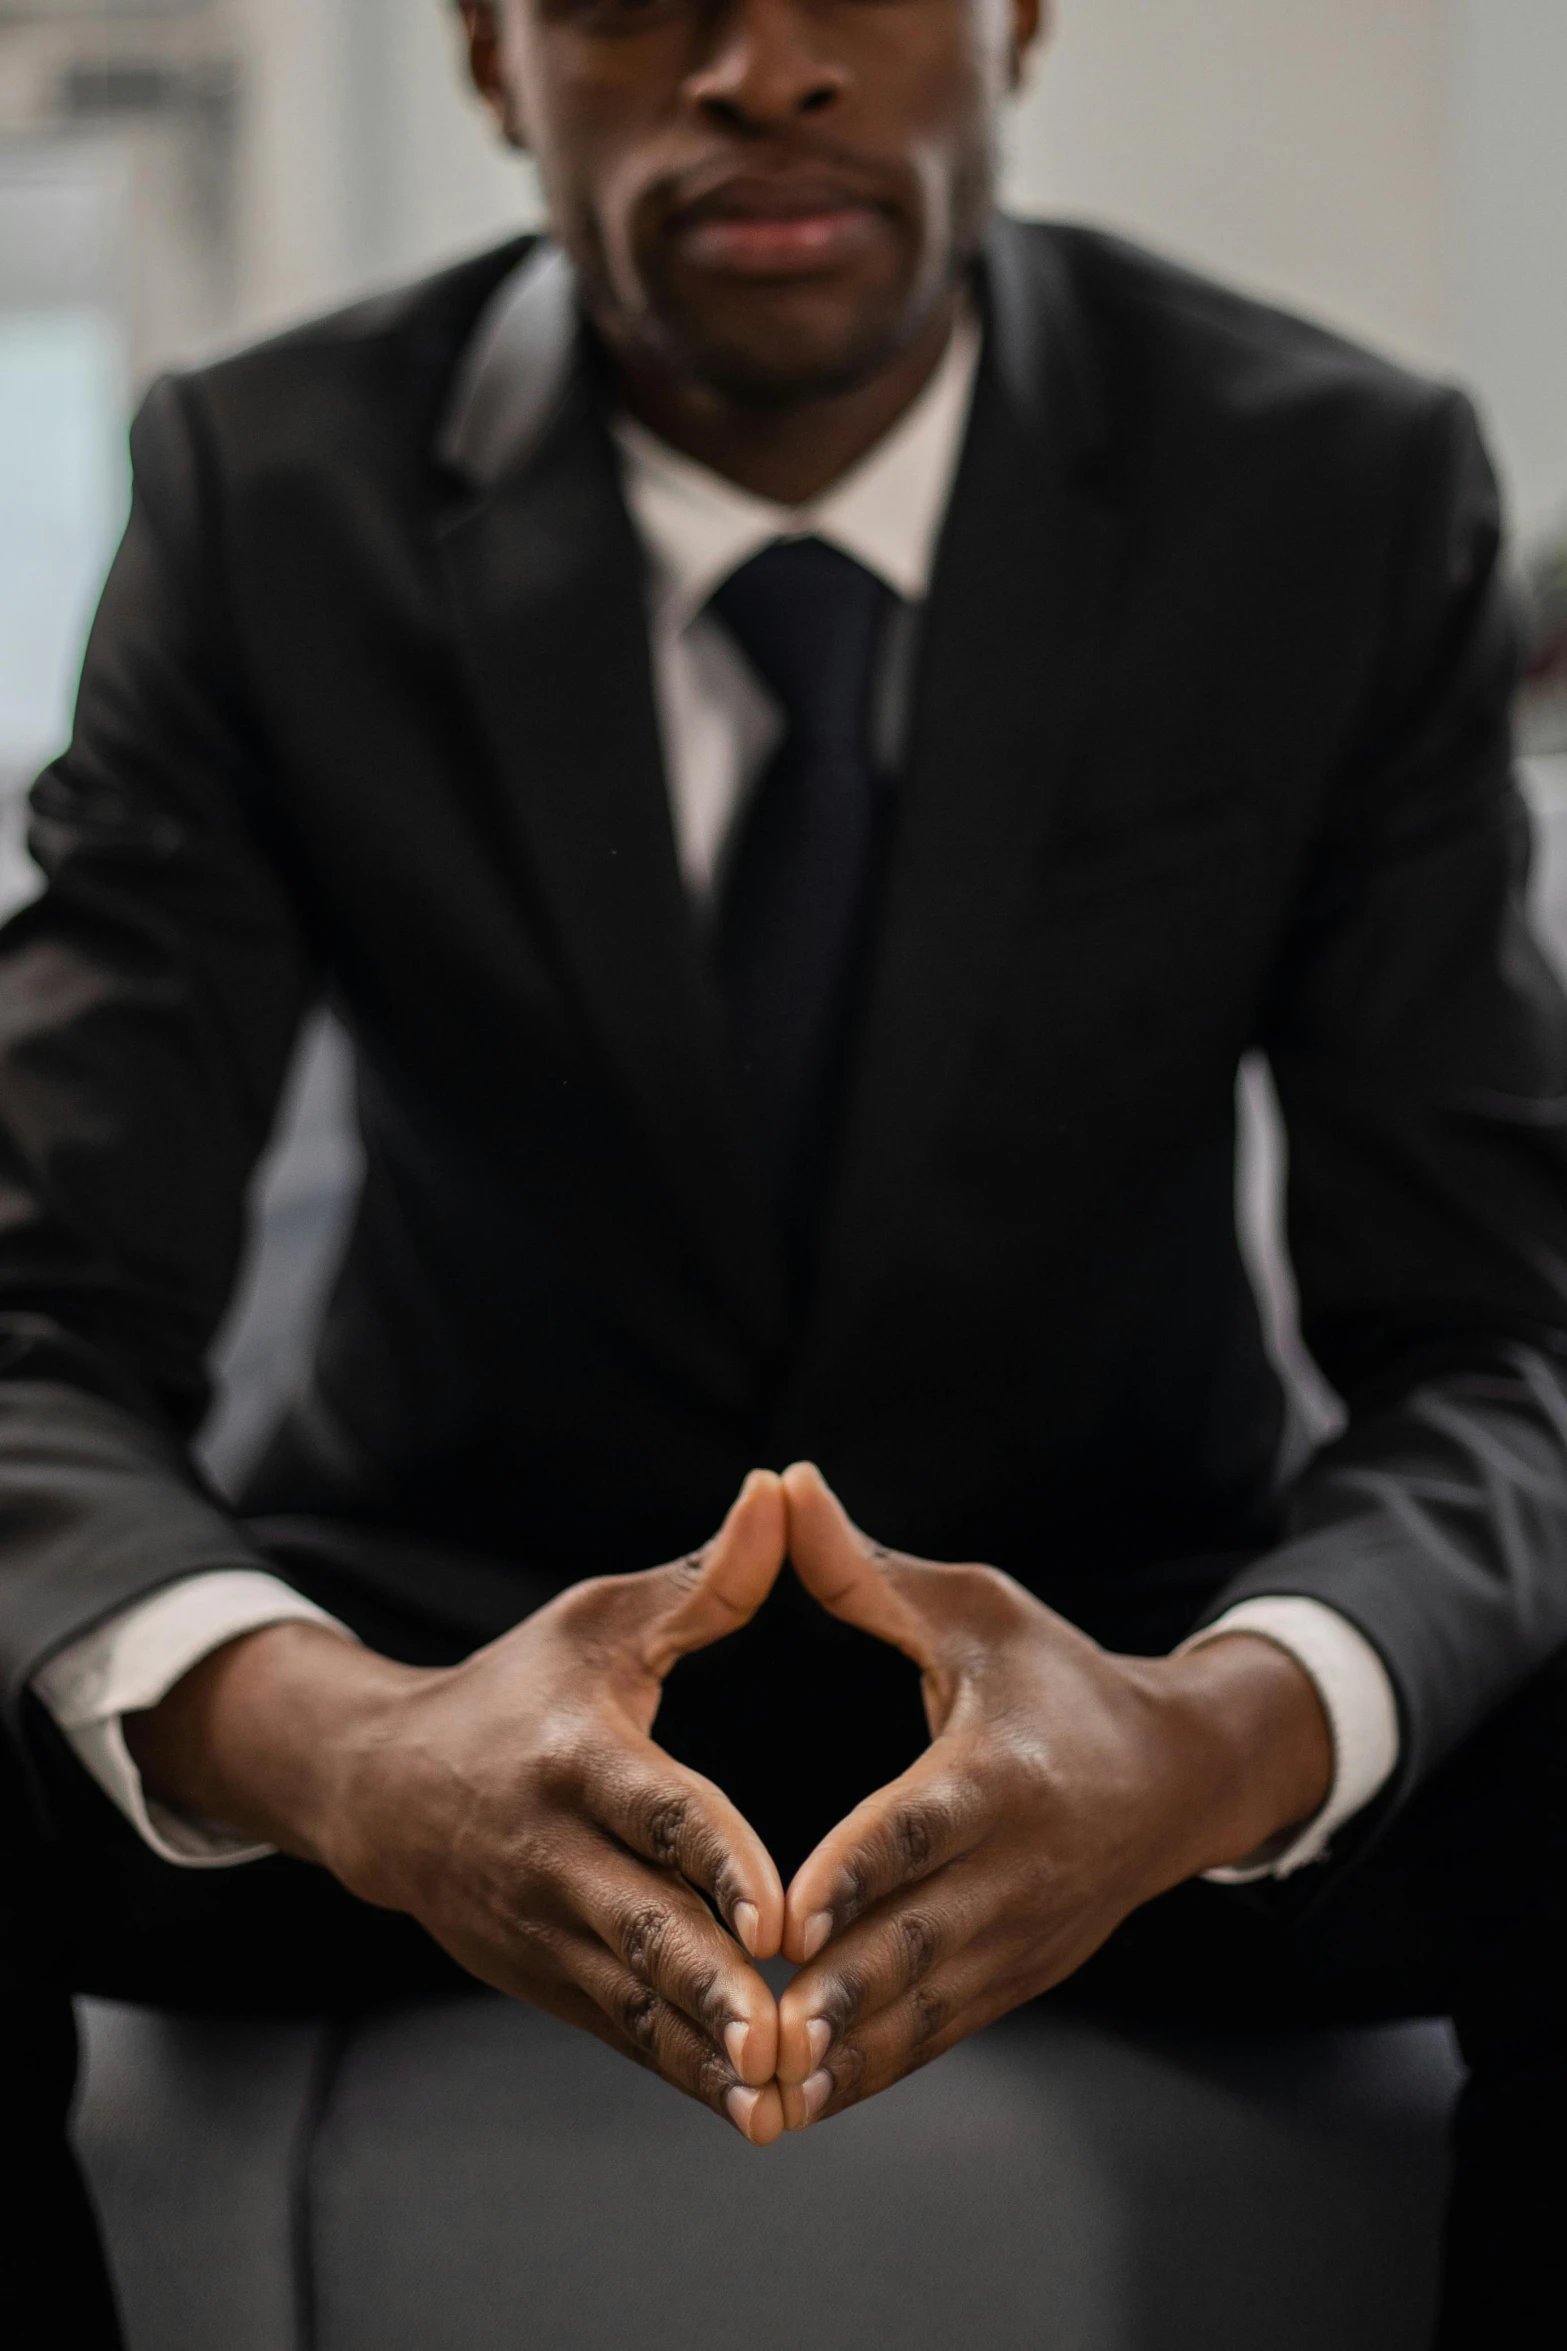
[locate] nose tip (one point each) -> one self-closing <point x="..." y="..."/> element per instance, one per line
<point x="739" y="109"/>
<point x="765" y="70"/>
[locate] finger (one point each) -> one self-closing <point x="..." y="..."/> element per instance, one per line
<point x="757" y="2115"/>
<point x="660" y="2037"/>
<point x="665" y="1936"/>
<point x="851" y="1576"/>
<point x="696" y="1601"/>
<point x="952" y="2003"/>
<point x="878" y="1962"/>
<point x="927" y="1818"/>
<point x="680" y="1821"/>
<point x="552" y="1958"/>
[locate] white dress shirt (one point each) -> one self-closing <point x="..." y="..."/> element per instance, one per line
<point x="719" y="724"/>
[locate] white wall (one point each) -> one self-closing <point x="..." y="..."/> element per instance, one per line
<point x="459" y="187"/>
<point x="367" y="158"/>
<point x="1508" y="238"/>
<point x="295" y="211"/>
<point x="1297" y="146"/>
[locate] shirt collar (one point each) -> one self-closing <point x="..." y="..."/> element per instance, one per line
<point x="886" y="511"/>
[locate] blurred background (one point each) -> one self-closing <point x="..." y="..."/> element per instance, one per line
<point x="177" y="175"/>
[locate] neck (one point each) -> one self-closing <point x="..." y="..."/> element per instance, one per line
<point x="788" y="454"/>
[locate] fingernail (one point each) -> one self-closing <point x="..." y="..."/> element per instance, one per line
<point x="817" y="1929"/>
<point x="741" y="2104"/>
<point x="816" y="2092"/>
<point x="748" y="1925"/>
<point x="819" y="2035"/>
<point x="736" y="2036"/>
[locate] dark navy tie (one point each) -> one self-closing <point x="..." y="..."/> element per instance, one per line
<point x="794" y="891"/>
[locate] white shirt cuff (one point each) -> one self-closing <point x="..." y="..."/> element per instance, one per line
<point x="1357" y="1698"/>
<point x="136" y="1659"/>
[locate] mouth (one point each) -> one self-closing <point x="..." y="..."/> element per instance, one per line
<point x="777" y="228"/>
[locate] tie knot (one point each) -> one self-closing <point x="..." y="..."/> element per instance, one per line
<point x="810" y="619"/>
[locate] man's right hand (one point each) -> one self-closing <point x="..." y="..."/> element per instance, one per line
<point x="517" y="1806"/>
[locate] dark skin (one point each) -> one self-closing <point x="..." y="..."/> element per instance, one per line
<point x="771" y="206"/>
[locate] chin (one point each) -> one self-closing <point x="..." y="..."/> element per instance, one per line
<point x="767" y="354"/>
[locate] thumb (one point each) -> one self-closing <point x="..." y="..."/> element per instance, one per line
<point x="719" y="1588"/>
<point x="851" y="1576"/>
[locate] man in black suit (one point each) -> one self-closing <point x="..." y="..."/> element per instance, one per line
<point x="805" y="728"/>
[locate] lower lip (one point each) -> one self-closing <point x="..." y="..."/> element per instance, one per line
<point x="782" y="245"/>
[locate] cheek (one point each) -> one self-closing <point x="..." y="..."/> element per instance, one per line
<point x="605" y="132"/>
<point x="567" y="106"/>
<point x="947" y="102"/>
<point x="625" y="171"/>
<point x="954" y="168"/>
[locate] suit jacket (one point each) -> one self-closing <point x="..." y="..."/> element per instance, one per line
<point x="1208" y="752"/>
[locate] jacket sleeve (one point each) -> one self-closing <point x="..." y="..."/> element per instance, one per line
<point x="1418" y="1040"/>
<point x="149" y="1003"/>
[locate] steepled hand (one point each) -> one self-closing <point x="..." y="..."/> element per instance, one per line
<point x="1063" y="1786"/>
<point x="516" y="1805"/>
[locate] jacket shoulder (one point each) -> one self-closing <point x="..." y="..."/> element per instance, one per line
<point x="372" y="376"/>
<point x="437" y="308"/>
<point x="1161" y="334"/>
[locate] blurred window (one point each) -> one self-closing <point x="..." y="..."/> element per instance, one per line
<point x="116" y="137"/>
<point x="62" y="498"/>
<point x="63" y="475"/>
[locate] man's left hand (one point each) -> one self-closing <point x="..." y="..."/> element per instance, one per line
<point x="1064" y="1786"/>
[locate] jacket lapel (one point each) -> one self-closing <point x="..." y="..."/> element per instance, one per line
<point x="547" y="580"/>
<point x="1004" y="681"/>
